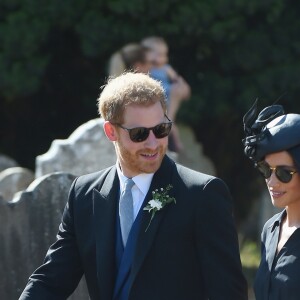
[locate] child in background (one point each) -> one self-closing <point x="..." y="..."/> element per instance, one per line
<point x="176" y="88"/>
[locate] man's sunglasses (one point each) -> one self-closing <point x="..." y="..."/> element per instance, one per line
<point x="140" y="134"/>
<point x="284" y="174"/>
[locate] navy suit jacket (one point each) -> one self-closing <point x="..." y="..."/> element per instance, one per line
<point x="189" y="252"/>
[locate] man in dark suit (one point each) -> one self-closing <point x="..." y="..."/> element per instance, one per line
<point x="182" y="244"/>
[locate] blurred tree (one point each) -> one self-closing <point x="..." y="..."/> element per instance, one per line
<point x="53" y="59"/>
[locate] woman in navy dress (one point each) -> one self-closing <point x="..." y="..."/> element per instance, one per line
<point x="273" y="143"/>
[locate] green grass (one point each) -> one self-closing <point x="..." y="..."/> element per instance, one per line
<point x="250" y="257"/>
<point x="250" y="254"/>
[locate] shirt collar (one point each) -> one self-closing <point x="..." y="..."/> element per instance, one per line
<point x="142" y="181"/>
<point x="277" y="221"/>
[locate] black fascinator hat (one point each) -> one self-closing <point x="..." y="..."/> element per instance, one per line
<point x="271" y="131"/>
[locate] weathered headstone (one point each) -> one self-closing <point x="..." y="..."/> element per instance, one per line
<point x="7" y="162"/>
<point x="13" y="180"/>
<point x="85" y="151"/>
<point x="29" y="224"/>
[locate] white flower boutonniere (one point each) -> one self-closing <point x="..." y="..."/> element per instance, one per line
<point x="160" y="199"/>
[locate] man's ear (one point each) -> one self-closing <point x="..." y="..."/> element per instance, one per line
<point x="110" y="131"/>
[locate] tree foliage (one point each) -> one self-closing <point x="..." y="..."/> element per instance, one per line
<point x="54" y="54"/>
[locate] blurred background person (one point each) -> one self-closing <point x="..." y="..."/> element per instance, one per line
<point x="176" y="88"/>
<point x="131" y="57"/>
<point x="273" y="143"/>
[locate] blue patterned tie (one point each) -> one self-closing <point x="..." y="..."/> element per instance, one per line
<point x="126" y="210"/>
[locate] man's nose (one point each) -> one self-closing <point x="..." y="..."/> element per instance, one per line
<point x="151" y="141"/>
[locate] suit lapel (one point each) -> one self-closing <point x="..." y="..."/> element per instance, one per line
<point x="105" y="202"/>
<point x="161" y="179"/>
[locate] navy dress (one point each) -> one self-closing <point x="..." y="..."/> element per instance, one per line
<point x="278" y="276"/>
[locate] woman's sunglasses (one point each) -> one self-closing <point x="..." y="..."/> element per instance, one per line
<point x="140" y="134"/>
<point x="284" y="174"/>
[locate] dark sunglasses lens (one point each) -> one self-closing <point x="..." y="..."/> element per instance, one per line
<point x="264" y="170"/>
<point x="162" y="130"/>
<point x="138" y="134"/>
<point x="283" y="174"/>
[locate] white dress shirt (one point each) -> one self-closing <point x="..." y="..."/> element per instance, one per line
<point x="139" y="190"/>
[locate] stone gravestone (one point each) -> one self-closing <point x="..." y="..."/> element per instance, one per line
<point x="7" y="162"/>
<point x="13" y="180"/>
<point x="85" y="151"/>
<point x="29" y="224"/>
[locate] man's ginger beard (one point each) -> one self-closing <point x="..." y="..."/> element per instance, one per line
<point x="134" y="162"/>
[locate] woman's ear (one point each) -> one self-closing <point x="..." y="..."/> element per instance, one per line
<point x="110" y="131"/>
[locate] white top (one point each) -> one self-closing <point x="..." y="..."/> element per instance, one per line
<point x="139" y="190"/>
